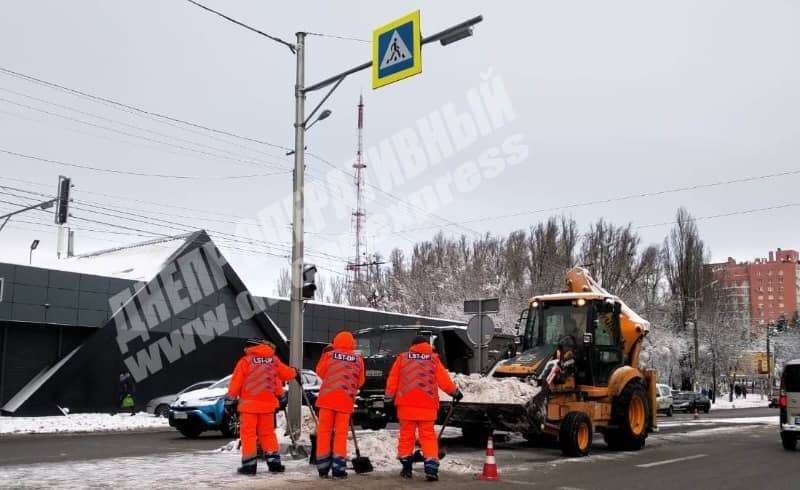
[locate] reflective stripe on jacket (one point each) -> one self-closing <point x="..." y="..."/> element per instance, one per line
<point x="342" y="374"/>
<point x="258" y="380"/>
<point x="414" y="383"/>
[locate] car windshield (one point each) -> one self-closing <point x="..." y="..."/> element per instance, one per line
<point x="384" y="343"/>
<point x="791" y="378"/>
<point x="223" y="383"/>
<point x="196" y="386"/>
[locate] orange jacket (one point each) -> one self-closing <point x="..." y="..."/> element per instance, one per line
<point x="258" y="380"/>
<point x="342" y="374"/>
<point x="414" y="383"/>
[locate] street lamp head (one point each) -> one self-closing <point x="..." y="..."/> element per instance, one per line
<point x="34" y="244"/>
<point x="324" y="114"/>
<point x="456" y="35"/>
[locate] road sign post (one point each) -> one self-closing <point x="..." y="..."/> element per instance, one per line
<point x="480" y="307"/>
<point x="396" y="50"/>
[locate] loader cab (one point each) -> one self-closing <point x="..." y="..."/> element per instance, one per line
<point x="589" y="326"/>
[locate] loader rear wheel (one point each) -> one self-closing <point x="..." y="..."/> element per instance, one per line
<point x="630" y="418"/>
<point x="575" y="434"/>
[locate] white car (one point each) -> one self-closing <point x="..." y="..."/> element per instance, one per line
<point x="664" y="399"/>
<point x="160" y="406"/>
<point x="789" y="403"/>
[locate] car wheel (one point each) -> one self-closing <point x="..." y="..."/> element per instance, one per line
<point x="161" y="410"/>
<point x="669" y="411"/>
<point x="190" y="431"/>
<point x="230" y="425"/>
<point x="789" y="441"/>
<point x="707" y="409"/>
<point x="374" y="424"/>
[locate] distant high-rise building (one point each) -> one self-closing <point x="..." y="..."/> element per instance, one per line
<point x="763" y="291"/>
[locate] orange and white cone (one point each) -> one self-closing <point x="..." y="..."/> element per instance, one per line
<point x="490" y="466"/>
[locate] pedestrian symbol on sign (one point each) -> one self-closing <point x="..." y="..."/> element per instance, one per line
<point x="397" y="52"/>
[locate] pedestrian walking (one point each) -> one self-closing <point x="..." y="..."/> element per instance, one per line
<point x="126" y="390"/>
<point x="258" y="383"/>
<point x="342" y="372"/>
<point x="413" y="385"/>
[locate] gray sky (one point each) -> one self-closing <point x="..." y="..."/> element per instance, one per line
<point x="610" y="99"/>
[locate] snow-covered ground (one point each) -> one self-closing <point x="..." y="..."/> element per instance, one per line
<point x="204" y="469"/>
<point x="82" y="422"/>
<point x="751" y="401"/>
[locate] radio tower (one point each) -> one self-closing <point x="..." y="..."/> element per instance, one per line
<point x="359" y="214"/>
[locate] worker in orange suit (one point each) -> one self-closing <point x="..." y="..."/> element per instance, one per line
<point x="258" y="383"/>
<point x="342" y="372"/>
<point x="413" y="386"/>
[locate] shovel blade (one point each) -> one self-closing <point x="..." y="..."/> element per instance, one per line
<point x="297" y="451"/>
<point x="362" y="465"/>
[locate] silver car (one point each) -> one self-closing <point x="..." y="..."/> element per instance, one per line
<point x="160" y="406"/>
<point x="664" y="401"/>
<point x="789" y="403"/>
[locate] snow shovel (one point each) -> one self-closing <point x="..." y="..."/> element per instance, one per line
<point x="312" y="458"/>
<point x="418" y="457"/>
<point x="361" y="464"/>
<point x="296" y="451"/>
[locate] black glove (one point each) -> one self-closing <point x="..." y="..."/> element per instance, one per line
<point x="457" y="396"/>
<point x="230" y="405"/>
<point x="284" y="400"/>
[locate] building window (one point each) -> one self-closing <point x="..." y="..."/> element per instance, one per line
<point x="761" y="297"/>
<point x="771" y="297"/>
<point x="780" y="305"/>
<point x="780" y="273"/>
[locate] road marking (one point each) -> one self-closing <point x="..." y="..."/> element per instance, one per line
<point x="670" y="461"/>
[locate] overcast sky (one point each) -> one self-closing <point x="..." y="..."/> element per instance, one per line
<point x="606" y="98"/>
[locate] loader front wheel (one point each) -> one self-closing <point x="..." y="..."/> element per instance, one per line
<point x="575" y="434"/>
<point x="630" y="418"/>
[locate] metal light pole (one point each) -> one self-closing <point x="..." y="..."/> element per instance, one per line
<point x="296" y="312"/>
<point x="34" y="245"/>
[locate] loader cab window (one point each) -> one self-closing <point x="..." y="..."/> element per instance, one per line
<point x="606" y="352"/>
<point x="563" y="320"/>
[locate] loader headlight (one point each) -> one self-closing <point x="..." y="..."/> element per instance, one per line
<point x="580" y="302"/>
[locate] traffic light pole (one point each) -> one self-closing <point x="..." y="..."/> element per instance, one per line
<point x="296" y="312"/>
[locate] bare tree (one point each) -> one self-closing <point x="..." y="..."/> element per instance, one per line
<point x="684" y="255"/>
<point x="283" y="286"/>
<point x="338" y="287"/>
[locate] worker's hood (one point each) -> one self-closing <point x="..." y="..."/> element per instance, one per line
<point x="344" y="341"/>
<point x="262" y="350"/>
<point x="423" y="348"/>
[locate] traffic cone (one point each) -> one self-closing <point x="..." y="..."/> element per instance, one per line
<point x="490" y="466"/>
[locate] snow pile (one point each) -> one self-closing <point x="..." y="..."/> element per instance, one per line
<point x="483" y="389"/>
<point x="752" y="401"/>
<point x="82" y="422"/>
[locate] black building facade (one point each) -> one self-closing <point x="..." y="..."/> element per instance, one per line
<point x="173" y="317"/>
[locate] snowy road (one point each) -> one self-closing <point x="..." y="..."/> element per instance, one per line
<point x="739" y="447"/>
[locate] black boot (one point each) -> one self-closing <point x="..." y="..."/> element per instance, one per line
<point x="431" y="470"/>
<point x="338" y="471"/>
<point x="407" y="466"/>
<point x="324" y="466"/>
<point x="247" y="469"/>
<point x="274" y="463"/>
<point x="248" y="466"/>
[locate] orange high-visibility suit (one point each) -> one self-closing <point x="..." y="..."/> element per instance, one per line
<point x="413" y="384"/>
<point x="342" y="373"/>
<point x="258" y="383"/>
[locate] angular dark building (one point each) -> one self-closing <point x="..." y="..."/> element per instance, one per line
<point x="169" y="311"/>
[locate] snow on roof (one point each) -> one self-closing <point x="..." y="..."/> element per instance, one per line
<point x="138" y="262"/>
<point x="371" y="310"/>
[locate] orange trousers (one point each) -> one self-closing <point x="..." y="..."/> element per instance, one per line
<point x="408" y="436"/>
<point x="260" y="425"/>
<point x="338" y="423"/>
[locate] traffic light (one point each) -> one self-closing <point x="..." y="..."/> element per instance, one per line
<point x="309" y="284"/>
<point x="62" y="203"/>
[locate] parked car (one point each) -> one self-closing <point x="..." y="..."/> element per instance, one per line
<point x="160" y="406"/>
<point x="203" y="410"/>
<point x="789" y="403"/>
<point x="664" y="399"/>
<point x="689" y="401"/>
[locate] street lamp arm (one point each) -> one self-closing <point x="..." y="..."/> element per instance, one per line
<point x="445" y="34"/>
<point x="41" y="205"/>
<point x="336" y="85"/>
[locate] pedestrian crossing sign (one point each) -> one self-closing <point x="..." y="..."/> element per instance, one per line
<point x="396" y="50"/>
